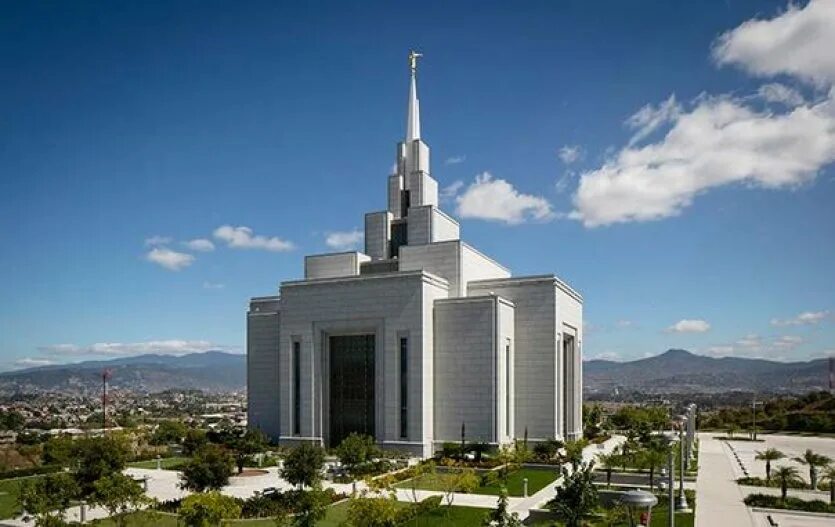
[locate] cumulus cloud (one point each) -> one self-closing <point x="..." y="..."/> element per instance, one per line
<point x="570" y="153"/>
<point x="119" y="349"/>
<point x="344" y="240"/>
<point x="454" y="160"/>
<point x="689" y="326"/>
<point x="244" y="238"/>
<point x="157" y="240"/>
<point x="754" y="346"/>
<point x="719" y="140"/>
<point x="803" y="319"/>
<point x="169" y="259"/>
<point x="200" y="244"/>
<point x="798" y="42"/>
<point x="493" y="199"/>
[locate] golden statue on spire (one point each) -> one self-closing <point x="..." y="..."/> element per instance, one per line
<point x="413" y="56"/>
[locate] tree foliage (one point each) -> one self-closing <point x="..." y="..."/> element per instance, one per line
<point x="576" y="495"/>
<point x="169" y="431"/>
<point x="813" y="460"/>
<point x="501" y="516"/>
<point x="768" y="455"/>
<point x="47" y="498"/>
<point x="356" y="450"/>
<point x="208" y="509"/>
<point x="96" y="457"/>
<point x="303" y="465"/>
<point x="209" y="469"/>
<point x="119" y="494"/>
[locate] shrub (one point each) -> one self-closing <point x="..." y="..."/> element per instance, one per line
<point x="489" y="479"/>
<point x="30" y="471"/>
<point x="303" y="465"/>
<point x="790" y="503"/>
<point x="207" y="509"/>
<point x="547" y="449"/>
<point x="451" y="450"/>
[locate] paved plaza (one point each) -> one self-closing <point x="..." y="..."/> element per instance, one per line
<point x="719" y="496"/>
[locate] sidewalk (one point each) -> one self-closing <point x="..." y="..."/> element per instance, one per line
<point x="719" y="497"/>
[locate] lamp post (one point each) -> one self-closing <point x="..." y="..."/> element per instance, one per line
<point x="669" y="438"/>
<point x="682" y="505"/>
<point x="636" y="500"/>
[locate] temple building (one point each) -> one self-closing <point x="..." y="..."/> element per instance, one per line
<point x="415" y="337"/>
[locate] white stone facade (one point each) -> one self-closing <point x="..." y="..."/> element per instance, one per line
<point x="417" y="337"/>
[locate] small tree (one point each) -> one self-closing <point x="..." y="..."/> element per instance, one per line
<point x="651" y="459"/>
<point x="418" y="472"/>
<point x="96" y="457"/>
<point x="312" y="506"/>
<point x="574" y="452"/>
<point x="194" y="440"/>
<point x="813" y="460"/>
<point x="303" y="465"/>
<point x="247" y="445"/>
<point x="367" y="510"/>
<point x="356" y="450"/>
<point x="609" y="462"/>
<point x="168" y="431"/>
<point x="576" y="495"/>
<point x="828" y="475"/>
<point x="209" y="469"/>
<point x="501" y="516"/>
<point x="119" y="494"/>
<point x="458" y="480"/>
<point x="208" y="509"/>
<point x="768" y="455"/>
<point x="786" y="476"/>
<point x="48" y="498"/>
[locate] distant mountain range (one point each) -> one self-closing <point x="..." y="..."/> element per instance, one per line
<point x="675" y="371"/>
<point x="212" y="371"/>
<point x="679" y="371"/>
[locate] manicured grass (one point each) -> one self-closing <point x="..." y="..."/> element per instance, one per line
<point x="537" y="480"/>
<point x="166" y="463"/>
<point x="9" y="492"/>
<point x="455" y="515"/>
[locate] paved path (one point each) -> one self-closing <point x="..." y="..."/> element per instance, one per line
<point x="719" y="497"/>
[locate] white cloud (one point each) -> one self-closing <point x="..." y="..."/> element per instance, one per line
<point x="496" y="199"/>
<point x="344" y="240"/>
<point x="451" y="190"/>
<point x="157" y="240"/>
<point x="689" y="326"/>
<point x="200" y="244"/>
<point x="213" y="285"/>
<point x="722" y="140"/>
<point x="564" y="181"/>
<point x="780" y="93"/>
<point x="169" y="259"/>
<point x="243" y="238"/>
<point x="454" y="160"/>
<point x="755" y="346"/>
<point x="119" y="349"/>
<point x="606" y="355"/>
<point x="570" y="153"/>
<point x="803" y="319"/>
<point x="797" y="42"/>
<point x="32" y="362"/>
<point x="650" y="118"/>
<point x="787" y="342"/>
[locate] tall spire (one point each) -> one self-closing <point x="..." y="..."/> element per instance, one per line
<point x="413" y="118"/>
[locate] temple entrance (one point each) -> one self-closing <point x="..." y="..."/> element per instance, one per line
<point x="351" y="386"/>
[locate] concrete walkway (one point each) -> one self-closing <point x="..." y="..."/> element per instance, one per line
<point x="719" y="497"/>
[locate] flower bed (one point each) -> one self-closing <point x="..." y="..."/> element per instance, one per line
<point x="795" y="504"/>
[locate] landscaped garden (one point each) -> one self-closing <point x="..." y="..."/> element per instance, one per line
<point x="166" y="463"/>
<point x="537" y="478"/>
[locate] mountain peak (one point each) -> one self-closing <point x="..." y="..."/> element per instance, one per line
<point x="677" y="353"/>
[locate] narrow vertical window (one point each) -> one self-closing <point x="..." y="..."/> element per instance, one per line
<point x="297" y="391"/>
<point x="507" y="388"/>
<point x="404" y="388"/>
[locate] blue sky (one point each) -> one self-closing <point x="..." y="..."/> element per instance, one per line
<point x="670" y="160"/>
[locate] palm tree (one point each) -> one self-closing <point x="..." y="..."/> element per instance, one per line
<point x="786" y="476"/>
<point x="768" y="455"/>
<point x="829" y="475"/>
<point x="651" y="459"/>
<point x="609" y="462"/>
<point x="814" y="460"/>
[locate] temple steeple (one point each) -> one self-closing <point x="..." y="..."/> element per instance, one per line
<point x="413" y="117"/>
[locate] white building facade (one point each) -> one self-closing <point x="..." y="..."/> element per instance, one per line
<point x="415" y="337"/>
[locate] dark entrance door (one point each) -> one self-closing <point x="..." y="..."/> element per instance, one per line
<point x="351" y="386"/>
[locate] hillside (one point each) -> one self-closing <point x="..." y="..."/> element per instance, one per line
<point x="212" y="371"/>
<point x="684" y="372"/>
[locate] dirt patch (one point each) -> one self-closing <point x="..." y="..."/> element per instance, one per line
<point x="250" y="472"/>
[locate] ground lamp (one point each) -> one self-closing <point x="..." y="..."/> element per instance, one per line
<point x="637" y="501"/>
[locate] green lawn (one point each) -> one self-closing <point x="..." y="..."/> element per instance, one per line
<point x="9" y="490"/>
<point x="167" y="463"/>
<point x="537" y="480"/>
<point x="455" y="515"/>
